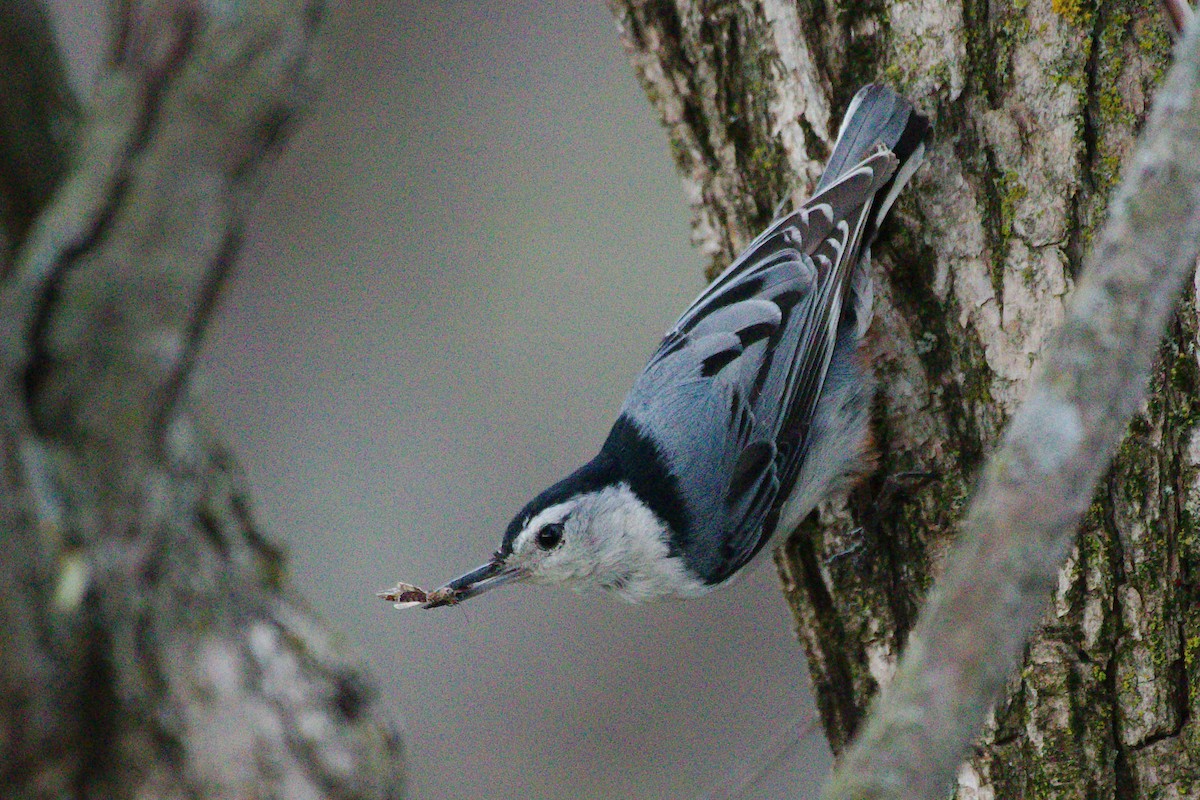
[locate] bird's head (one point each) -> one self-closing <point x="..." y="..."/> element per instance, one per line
<point x="582" y="537"/>
<point x="551" y="541"/>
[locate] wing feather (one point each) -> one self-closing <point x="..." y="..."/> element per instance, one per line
<point x="730" y="393"/>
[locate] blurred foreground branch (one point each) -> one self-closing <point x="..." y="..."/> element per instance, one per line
<point x="149" y="648"/>
<point x="1036" y="488"/>
<point x="38" y="118"/>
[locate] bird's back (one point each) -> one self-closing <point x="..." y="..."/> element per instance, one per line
<point x="726" y="404"/>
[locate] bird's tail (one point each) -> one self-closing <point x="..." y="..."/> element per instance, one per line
<point x="877" y="115"/>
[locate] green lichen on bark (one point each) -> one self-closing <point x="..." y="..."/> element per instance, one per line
<point x="1131" y="48"/>
<point x="746" y="94"/>
<point x="712" y="79"/>
<point x="1035" y="106"/>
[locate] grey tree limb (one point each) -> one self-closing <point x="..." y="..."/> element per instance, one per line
<point x="1037" y="487"/>
<point x="150" y="645"/>
<point x="38" y="115"/>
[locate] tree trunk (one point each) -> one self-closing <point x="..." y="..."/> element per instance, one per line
<point x="149" y="646"/>
<point x="1035" y="104"/>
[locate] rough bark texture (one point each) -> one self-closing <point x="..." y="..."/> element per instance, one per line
<point x="1036" y="487"/>
<point x="1036" y="104"/>
<point x="149" y="648"/>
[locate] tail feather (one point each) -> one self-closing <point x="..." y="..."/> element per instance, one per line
<point x="877" y="115"/>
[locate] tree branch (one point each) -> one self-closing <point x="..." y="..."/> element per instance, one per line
<point x="150" y="647"/>
<point x="38" y="120"/>
<point x="1038" y="485"/>
<point x="116" y="280"/>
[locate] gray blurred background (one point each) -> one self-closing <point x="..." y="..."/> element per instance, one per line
<point x="460" y="263"/>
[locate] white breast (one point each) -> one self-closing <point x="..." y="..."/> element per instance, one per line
<point x="631" y="550"/>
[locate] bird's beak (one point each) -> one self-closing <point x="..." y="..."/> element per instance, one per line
<point x="477" y="581"/>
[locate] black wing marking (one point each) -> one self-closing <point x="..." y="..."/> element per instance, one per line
<point x="797" y="384"/>
<point x="751" y="464"/>
<point x="804" y="231"/>
<point x="730" y="394"/>
<point x="760" y="339"/>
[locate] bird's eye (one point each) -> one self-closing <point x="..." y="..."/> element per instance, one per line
<point x="550" y="535"/>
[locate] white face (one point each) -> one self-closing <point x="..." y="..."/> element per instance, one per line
<point x="555" y="546"/>
<point x="606" y="539"/>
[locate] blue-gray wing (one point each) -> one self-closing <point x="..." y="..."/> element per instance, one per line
<point x="731" y="390"/>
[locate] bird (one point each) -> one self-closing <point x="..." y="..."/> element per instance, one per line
<point x="754" y="407"/>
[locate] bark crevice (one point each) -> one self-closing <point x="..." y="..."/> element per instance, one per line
<point x="1035" y="110"/>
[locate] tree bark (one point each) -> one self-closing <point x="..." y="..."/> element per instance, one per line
<point x="1036" y="105"/>
<point x="149" y="645"/>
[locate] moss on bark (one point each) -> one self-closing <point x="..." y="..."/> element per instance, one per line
<point x="1036" y="105"/>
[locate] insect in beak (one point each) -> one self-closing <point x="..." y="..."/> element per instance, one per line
<point x="477" y="581"/>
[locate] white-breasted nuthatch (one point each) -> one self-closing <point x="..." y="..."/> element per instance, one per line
<point x="753" y="408"/>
